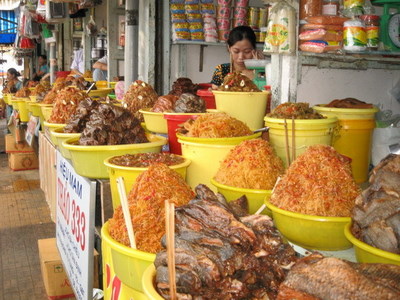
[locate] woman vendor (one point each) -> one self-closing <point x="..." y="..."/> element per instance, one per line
<point x="241" y="46"/>
<point x="13" y="84"/>
<point x="43" y="68"/>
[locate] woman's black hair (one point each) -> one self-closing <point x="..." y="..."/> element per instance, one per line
<point x="43" y="56"/>
<point x="14" y="72"/>
<point x="240" y="33"/>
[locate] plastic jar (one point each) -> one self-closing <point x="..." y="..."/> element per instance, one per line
<point x="330" y="7"/>
<point x="372" y="29"/>
<point x="354" y="35"/>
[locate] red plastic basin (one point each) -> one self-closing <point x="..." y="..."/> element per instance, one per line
<point x="208" y="97"/>
<point x="173" y="121"/>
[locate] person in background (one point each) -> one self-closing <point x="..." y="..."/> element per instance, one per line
<point x="241" y="46"/>
<point x="13" y="84"/>
<point x="100" y="69"/>
<point x="78" y="64"/>
<point x="43" y="68"/>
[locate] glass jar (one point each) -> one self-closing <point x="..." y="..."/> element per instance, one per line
<point x="330" y="7"/>
<point x="354" y="36"/>
<point x="372" y="29"/>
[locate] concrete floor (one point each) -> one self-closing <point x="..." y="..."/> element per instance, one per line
<point x="24" y="218"/>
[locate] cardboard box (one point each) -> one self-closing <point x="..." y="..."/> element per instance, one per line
<point x="12" y="146"/>
<point x="18" y="161"/>
<point x="55" y="278"/>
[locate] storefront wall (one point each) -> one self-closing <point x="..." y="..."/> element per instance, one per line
<point x="316" y="86"/>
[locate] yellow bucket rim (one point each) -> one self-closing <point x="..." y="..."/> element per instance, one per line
<point x="218" y="141"/>
<point x="368" y="248"/>
<point x="186" y="163"/>
<point x="124" y="249"/>
<point x="68" y="144"/>
<point x="215" y="92"/>
<point x="240" y="190"/>
<point x="58" y="133"/>
<point x="54" y="125"/>
<point x="46" y="104"/>
<point x="148" y="285"/>
<point x="295" y="215"/>
<point x="328" y="120"/>
<point x="358" y="111"/>
<point x="148" y="111"/>
<point x="21" y="99"/>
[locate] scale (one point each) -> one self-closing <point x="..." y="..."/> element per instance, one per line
<point x="258" y="65"/>
<point x="389" y="26"/>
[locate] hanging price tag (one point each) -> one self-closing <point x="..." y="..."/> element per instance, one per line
<point x="31" y="130"/>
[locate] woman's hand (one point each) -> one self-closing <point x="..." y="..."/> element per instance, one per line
<point x="257" y="54"/>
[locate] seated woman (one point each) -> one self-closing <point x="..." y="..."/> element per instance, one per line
<point x="100" y="69"/>
<point x="43" y="68"/>
<point x="241" y="46"/>
<point x="13" y="84"/>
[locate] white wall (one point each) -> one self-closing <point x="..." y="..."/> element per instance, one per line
<point x="372" y="86"/>
<point x="213" y="56"/>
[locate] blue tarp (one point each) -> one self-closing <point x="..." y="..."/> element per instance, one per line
<point x="8" y="26"/>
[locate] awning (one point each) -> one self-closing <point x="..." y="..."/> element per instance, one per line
<point x="9" y="4"/>
<point x="8" y="26"/>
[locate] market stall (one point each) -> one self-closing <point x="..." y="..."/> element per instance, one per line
<point x="190" y="189"/>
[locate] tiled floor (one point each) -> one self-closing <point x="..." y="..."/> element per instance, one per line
<point x="24" y="218"/>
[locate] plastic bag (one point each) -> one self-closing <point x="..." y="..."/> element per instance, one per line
<point x="91" y="27"/>
<point x="382" y="139"/>
<point x="281" y="29"/>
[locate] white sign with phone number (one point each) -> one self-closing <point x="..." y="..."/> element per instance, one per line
<point x="75" y="227"/>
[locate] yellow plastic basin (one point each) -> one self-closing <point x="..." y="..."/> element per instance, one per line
<point x="14" y="103"/>
<point x="130" y="174"/>
<point x="49" y="127"/>
<point x="148" y="282"/>
<point x="154" y="121"/>
<point x="219" y="141"/>
<point x="101" y="84"/>
<point x="354" y="137"/>
<point x="255" y="197"/>
<point x="367" y="254"/>
<point x="42" y="119"/>
<point x="35" y="109"/>
<point x="100" y="92"/>
<point x="23" y="109"/>
<point x="311" y="232"/>
<point x="248" y="107"/>
<point x="206" y="157"/>
<point x="7" y="98"/>
<point x="88" y="161"/>
<point x="60" y="136"/>
<point x="129" y="264"/>
<point x="307" y="133"/>
<point x="46" y="111"/>
<point x="33" y="98"/>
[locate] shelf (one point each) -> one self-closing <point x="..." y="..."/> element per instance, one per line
<point x="201" y="43"/>
<point x="355" y="61"/>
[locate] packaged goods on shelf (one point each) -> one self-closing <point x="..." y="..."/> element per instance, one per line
<point x="281" y="29"/>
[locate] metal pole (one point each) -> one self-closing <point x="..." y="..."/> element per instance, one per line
<point x="131" y="41"/>
<point x="53" y="62"/>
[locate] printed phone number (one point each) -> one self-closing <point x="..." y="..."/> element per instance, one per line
<point x="72" y="214"/>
